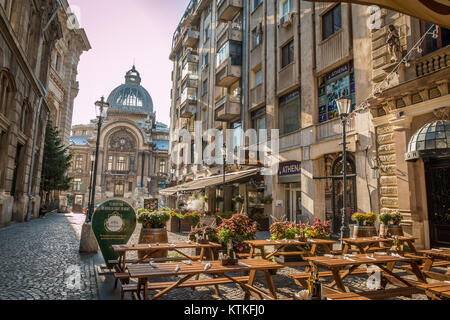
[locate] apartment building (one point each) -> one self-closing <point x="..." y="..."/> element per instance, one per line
<point x="39" y="54"/>
<point x="281" y="64"/>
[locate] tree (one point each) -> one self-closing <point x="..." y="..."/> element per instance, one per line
<point x="56" y="161"/>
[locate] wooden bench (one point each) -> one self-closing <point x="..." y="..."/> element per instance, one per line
<point x="436" y="291"/>
<point x="302" y="278"/>
<point x="133" y="288"/>
<point x="123" y="277"/>
<point x="374" y="295"/>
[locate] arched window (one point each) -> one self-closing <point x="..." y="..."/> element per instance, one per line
<point x="25" y="113"/>
<point x="5" y="93"/>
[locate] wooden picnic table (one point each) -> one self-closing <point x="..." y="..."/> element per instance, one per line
<point x="431" y="257"/>
<point x="143" y="272"/>
<point x="326" y="245"/>
<point x="152" y="248"/>
<point x="384" y="261"/>
<point x="370" y="244"/>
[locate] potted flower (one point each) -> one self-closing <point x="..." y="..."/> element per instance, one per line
<point x="188" y="220"/>
<point x="365" y="225"/>
<point x="385" y="219"/>
<point x="236" y="230"/>
<point x="174" y="223"/>
<point x="318" y="230"/>
<point x="153" y="230"/>
<point x="395" y="228"/>
<point x="286" y="230"/>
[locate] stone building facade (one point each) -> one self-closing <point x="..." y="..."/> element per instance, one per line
<point x="30" y="32"/>
<point x="133" y="154"/>
<point x="280" y="64"/>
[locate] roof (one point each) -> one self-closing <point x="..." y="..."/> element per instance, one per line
<point x="131" y="96"/>
<point x="79" y="140"/>
<point x="161" y="127"/>
<point x="430" y="141"/>
<point x="162" y="145"/>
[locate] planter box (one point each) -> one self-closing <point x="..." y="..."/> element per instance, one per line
<point x="186" y="225"/>
<point x="363" y="231"/>
<point x="173" y="225"/>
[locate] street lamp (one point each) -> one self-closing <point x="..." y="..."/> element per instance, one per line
<point x="100" y="108"/>
<point x="344" y="108"/>
<point x="90" y="178"/>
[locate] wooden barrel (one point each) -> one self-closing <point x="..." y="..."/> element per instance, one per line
<point x="153" y="236"/>
<point x="395" y="230"/>
<point x="364" y="231"/>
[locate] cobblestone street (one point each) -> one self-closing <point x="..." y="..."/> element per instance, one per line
<point x="38" y="259"/>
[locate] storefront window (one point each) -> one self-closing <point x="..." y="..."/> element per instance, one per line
<point x="339" y="83"/>
<point x="289" y="113"/>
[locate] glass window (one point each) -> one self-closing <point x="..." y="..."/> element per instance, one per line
<point x="77" y="185"/>
<point x="237" y="135"/>
<point x="205" y="87"/>
<point x="110" y="163"/>
<point x="287" y="7"/>
<point x="121" y="164"/>
<point x="287" y="54"/>
<point x="232" y="49"/>
<point x="339" y="83"/>
<point x="162" y="166"/>
<point x="118" y="190"/>
<point x="256" y="3"/>
<point x="258" y="77"/>
<point x="430" y="44"/>
<point x="132" y="163"/>
<point x="130" y="186"/>
<point x="257" y="37"/>
<point x="259" y="122"/>
<point x="289" y="113"/>
<point x="79" y="162"/>
<point x="331" y="22"/>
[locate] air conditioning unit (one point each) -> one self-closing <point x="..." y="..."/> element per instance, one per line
<point x="286" y="20"/>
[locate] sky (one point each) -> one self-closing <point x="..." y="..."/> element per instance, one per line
<point x="122" y="32"/>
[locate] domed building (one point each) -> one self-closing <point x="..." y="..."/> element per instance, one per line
<point x="133" y="154"/>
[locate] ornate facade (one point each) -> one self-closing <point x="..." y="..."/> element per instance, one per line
<point x="133" y="157"/>
<point x="30" y="33"/>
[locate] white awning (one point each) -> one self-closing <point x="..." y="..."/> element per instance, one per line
<point x="209" y="181"/>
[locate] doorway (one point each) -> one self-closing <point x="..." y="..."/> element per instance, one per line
<point x="438" y="196"/>
<point x="293" y="195"/>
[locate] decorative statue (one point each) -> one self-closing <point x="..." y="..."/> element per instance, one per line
<point x="393" y="41"/>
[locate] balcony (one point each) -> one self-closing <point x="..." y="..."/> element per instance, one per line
<point x="232" y="31"/>
<point x="433" y="62"/>
<point x="190" y="55"/>
<point x="190" y="72"/>
<point x="188" y="104"/>
<point x="228" y="73"/>
<point x="120" y="172"/>
<point x="227" y="108"/>
<point x="191" y="38"/>
<point x="228" y="9"/>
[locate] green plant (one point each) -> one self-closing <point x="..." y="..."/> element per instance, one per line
<point x="385" y="218"/>
<point x="318" y="230"/>
<point x="359" y="217"/>
<point x="370" y="218"/>
<point x="155" y="219"/>
<point x="397" y="218"/>
<point x="259" y="216"/>
<point x="236" y="230"/>
<point x="285" y="230"/>
<point x="224" y="215"/>
<point x="193" y="216"/>
<point x="204" y="198"/>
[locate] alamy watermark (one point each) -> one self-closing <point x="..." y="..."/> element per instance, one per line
<point x="200" y="148"/>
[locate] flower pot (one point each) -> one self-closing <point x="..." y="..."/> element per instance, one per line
<point x="174" y="224"/>
<point x="153" y="236"/>
<point x="364" y="231"/>
<point x="395" y="230"/>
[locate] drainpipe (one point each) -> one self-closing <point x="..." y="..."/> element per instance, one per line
<point x="244" y="65"/>
<point x="33" y="153"/>
<point x="53" y="15"/>
<point x="36" y="126"/>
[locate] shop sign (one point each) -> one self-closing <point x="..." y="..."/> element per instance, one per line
<point x="113" y="223"/>
<point x="289" y="168"/>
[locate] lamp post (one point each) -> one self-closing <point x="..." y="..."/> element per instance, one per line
<point x="88" y="242"/>
<point x="224" y="155"/>
<point x="100" y="107"/>
<point x="344" y="108"/>
<point x="90" y="178"/>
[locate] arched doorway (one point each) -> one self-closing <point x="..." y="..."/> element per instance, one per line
<point x="334" y="189"/>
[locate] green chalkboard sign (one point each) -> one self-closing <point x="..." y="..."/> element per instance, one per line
<point x="113" y="222"/>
